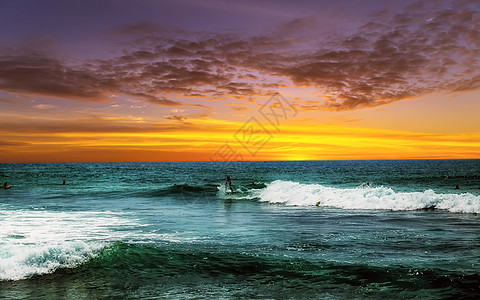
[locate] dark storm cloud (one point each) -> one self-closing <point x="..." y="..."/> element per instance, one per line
<point x="424" y="49"/>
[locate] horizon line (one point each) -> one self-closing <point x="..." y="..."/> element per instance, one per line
<point x="231" y="161"/>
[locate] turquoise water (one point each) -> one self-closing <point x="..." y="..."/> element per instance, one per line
<point x="290" y="230"/>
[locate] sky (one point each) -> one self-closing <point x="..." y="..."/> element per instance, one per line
<point x="211" y="80"/>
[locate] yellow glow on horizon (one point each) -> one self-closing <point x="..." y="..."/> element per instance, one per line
<point x="317" y="135"/>
<point x="201" y="141"/>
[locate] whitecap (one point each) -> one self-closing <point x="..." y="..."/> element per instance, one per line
<point x="373" y="198"/>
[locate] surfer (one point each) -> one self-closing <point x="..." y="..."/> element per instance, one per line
<point x="228" y="183"/>
<point x="4" y="186"/>
<point x="457" y="187"/>
<point x="364" y="185"/>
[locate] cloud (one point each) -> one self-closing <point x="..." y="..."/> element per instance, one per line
<point x="39" y="75"/>
<point x="45" y="106"/>
<point x="466" y="84"/>
<point x="403" y="58"/>
<point x="155" y="100"/>
<point x="424" y="49"/>
<point x="4" y="100"/>
<point x="13" y="144"/>
<point x="87" y="125"/>
<point x="34" y="74"/>
<point x="179" y="119"/>
<point x="238" y="108"/>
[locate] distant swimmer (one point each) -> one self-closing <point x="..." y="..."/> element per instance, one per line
<point x="5" y="186"/>
<point x="228" y="183"/>
<point x="457" y="187"/>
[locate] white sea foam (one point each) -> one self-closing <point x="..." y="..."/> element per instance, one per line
<point x="374" y="198"/>
<point x="34" y="242"/>
<point x="38" y="242"/>
<point x="22" y="261"/>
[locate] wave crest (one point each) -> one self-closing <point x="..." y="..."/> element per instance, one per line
<point x="375" y="198"/>
<point x="20" y="262"/>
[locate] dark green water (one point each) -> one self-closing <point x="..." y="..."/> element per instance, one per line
<point x="291" y="230"/>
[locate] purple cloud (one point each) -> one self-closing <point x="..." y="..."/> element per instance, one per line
<point x="423" y="49"/>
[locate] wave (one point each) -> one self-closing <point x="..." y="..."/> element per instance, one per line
<point x="23" y="262"/>
<point x="183" y="189"/>
<point x="129" y="266"/>
<point x="38" y="241"/>
<point x="35" y="242"/>
<point x="370" y="198"/>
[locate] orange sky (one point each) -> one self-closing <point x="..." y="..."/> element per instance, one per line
<point x="409" y="129"/>
<point x="387" y="80"/>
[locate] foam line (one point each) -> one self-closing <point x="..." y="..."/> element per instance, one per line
<point x="375" y="198"/>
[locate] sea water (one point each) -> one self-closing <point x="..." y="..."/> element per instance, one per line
<point x="289" y="230"/>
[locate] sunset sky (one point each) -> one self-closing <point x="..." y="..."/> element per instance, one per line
<point x="199" y="80"/>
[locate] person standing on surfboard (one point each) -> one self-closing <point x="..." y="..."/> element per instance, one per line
<point x="228" y="183"/>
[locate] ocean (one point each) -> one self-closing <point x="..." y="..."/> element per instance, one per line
<point x="290" y="230"/>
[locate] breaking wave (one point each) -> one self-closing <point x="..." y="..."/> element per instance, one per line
<point x="369" y="198"/>
<point x="36" y="242"/>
